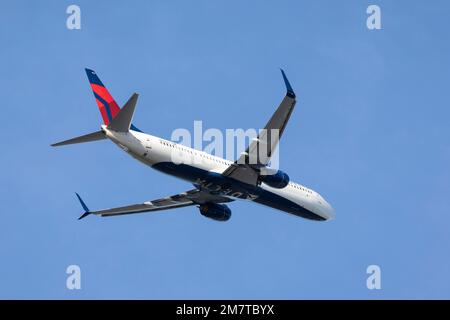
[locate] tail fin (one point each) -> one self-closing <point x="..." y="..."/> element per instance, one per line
<point x="106" y="103"/>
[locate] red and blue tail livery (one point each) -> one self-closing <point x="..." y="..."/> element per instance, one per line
<point x="106" y="103"/>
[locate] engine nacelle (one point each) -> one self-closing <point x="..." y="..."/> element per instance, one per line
<point x="278" y="180"/>
<point x="215" y="211"/>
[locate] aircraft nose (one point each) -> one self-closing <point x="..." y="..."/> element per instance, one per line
<point x="326" y="210"/>
<point x="329" y="211"/>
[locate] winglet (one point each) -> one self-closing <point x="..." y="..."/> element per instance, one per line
<point x="86" y="209"/>
<point x="290" y="92"/>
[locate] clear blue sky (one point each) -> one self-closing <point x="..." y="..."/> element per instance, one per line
<point x="370" y="132"/>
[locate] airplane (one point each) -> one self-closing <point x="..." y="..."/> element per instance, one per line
<point x="216" y="181"/>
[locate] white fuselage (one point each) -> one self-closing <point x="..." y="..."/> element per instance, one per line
<point x="153" y="151"/>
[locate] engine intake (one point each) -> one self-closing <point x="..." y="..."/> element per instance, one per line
<point x="218" y="212"/>
<point x="278" y="180"/>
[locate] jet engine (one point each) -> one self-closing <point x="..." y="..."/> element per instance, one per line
<point x="215" y="211"/>
<point x="278" y="180"/>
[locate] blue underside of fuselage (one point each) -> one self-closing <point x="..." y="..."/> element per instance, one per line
<point x="218" y="184"/>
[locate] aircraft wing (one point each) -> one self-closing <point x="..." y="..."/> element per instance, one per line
<point x="189" y="198"/>
<point x="260" y="150"/>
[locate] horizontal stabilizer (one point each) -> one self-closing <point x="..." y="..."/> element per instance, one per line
<point x="122" y="122"/>
<point x="99" y="135"/>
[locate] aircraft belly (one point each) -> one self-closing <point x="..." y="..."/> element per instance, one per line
<point x="281" y="203"/>
<point x="215" y="183"/>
